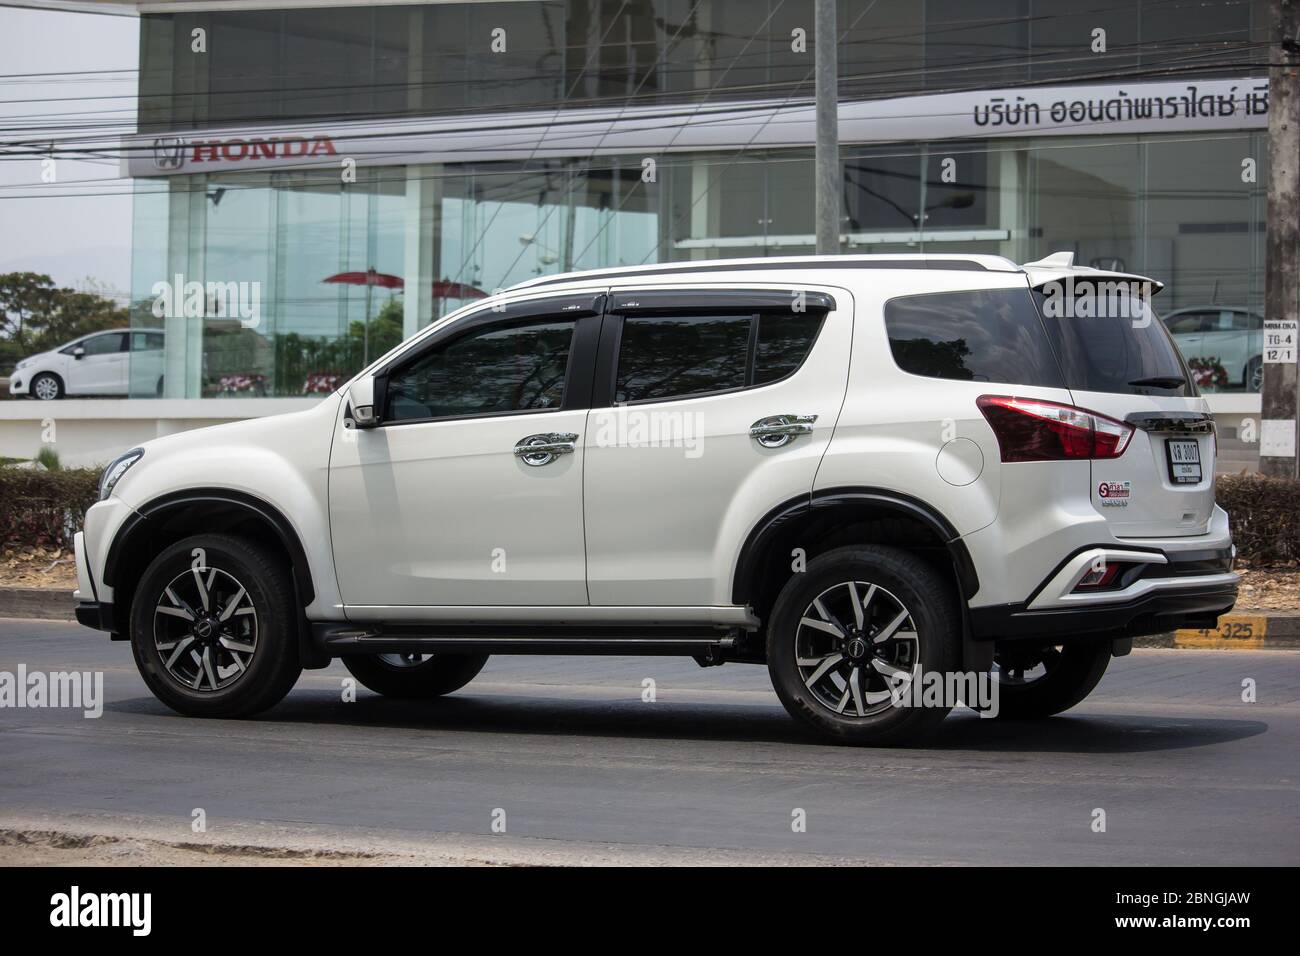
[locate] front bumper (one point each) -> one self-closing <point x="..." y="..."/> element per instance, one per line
<point x="91" y="611"/>
<point x="18" y="383"/>
<point x="96" y="615"/>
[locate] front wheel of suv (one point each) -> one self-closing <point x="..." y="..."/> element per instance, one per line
<point x="415" y="676"/>
<point x="1039" y="680"/>
<point x="849" y="639"/>
<point x="214" y="627"/>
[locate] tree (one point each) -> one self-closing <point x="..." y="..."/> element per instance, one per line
<point x="36" y="315"/>
<point x="25" y="297"/>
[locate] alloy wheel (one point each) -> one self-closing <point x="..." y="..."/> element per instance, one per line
<point x="46" y="388"/>
<point x="205" y="629"/>
<point x="856" y="648"/>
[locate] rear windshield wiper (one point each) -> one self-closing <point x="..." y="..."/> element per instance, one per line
<point x="1161" y="381"/>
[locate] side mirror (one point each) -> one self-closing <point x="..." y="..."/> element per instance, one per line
<point x="361" y="396"/>
<point x="78" y="352"/>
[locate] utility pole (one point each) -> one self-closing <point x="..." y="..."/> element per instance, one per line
<point x="1277" y="436"/>
<point x="827" y="155"/>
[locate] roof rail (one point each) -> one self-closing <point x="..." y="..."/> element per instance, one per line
<point x="976" y="263"/>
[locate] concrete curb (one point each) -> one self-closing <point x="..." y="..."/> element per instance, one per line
<point x="1241" y="630"/>
<point x="43" y="604"/>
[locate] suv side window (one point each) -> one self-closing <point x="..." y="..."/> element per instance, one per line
<point x="492" y="370"/>
<point x="665" y="357"/>
<point x="992" y="335"/>
<point x="668" y="356"/>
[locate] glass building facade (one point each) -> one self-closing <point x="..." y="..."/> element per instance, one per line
<point x="403" y="242"/>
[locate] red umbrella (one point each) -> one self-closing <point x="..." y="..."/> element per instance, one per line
<point x="446" y="289"/>
<point x="384" y="280"/>
<point x="442" y="288"/>
<point x="370" y="278"/>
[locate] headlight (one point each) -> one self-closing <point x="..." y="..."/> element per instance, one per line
<point x="24" y="363"/>
<point x="114" y="472"/>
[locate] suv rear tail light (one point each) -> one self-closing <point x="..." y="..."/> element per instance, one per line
<point x="1032" y="430"/>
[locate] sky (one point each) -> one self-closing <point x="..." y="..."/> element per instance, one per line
<point x="42" y="228"/>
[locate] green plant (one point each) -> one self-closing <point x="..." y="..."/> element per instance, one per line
<point x="49" y="458"/>
<point x="45" y="508"/>
<point x="1265" y="516"/>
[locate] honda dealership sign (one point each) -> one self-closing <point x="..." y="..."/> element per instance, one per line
<point x="1022" y="111"/>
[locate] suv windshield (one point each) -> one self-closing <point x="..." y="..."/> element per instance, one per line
<point x="1108" y="339"/>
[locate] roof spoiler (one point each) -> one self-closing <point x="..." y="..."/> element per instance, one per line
<point x="1057" y="260"/>
<point x="1051" y="269"/>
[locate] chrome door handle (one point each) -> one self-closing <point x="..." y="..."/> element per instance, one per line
<point x="544" y="448"/>
<point x="779" y="430"/>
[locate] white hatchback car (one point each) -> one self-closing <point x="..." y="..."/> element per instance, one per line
<point x="102" y="363"/>
<point x="861" y="471"/>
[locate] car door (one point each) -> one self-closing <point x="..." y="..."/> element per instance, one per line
<point x="676" y="473"/>
<point x="101" y="369"/>
<point x="469" y="492"/>
<point x="145" y="372"/>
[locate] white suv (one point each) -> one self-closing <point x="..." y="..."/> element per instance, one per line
<point x="856" y="470"/>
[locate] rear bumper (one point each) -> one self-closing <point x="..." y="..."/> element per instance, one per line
<point x="1165" y="605"/>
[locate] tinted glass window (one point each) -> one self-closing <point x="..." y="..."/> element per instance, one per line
<point x="783" y="342"/>
<point x="1186" y="323"/>
<point x="146" y="341"/>
<point x="103" y="344"/>
<point x="663" y="357"/>
<point x="1109" y="340"/>
<point x="496" y="369"/>
<point x="983" y="336"/>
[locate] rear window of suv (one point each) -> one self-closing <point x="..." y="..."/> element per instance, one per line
<point x="987" y="335"/>
<point x="1108" y="339"/>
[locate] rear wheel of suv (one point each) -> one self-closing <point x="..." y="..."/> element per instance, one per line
<point x="850" y="637"/>
<point x="415" y="676"/>
<point x="214" y="627"/>
<point x="1039" y="680"/>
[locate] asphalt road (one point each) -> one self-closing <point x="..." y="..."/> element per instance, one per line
<point x="1185" y="771"/>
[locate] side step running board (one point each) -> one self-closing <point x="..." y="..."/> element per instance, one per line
<point x="338" y="640"/>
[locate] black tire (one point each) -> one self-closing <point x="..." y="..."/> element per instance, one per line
<point x="434" y="676"/>
<point x="1069" y="674"/>
<point x="263" y="676"/>
<point x="907" y="581"/>
<point x="50" y="379"/>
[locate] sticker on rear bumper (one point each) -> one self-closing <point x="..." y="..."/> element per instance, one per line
<point x="1115" y="494"/>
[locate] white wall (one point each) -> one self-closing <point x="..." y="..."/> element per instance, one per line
<point x="90" y="432"/>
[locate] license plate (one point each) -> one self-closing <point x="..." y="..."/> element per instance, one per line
<point x="1184" y="461"/>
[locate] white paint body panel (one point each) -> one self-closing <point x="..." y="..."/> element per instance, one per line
<point x="401" y="522"/>
<point x="665" y="524"/>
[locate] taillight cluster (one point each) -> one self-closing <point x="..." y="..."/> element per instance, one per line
<point x="1029" y="429"/>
